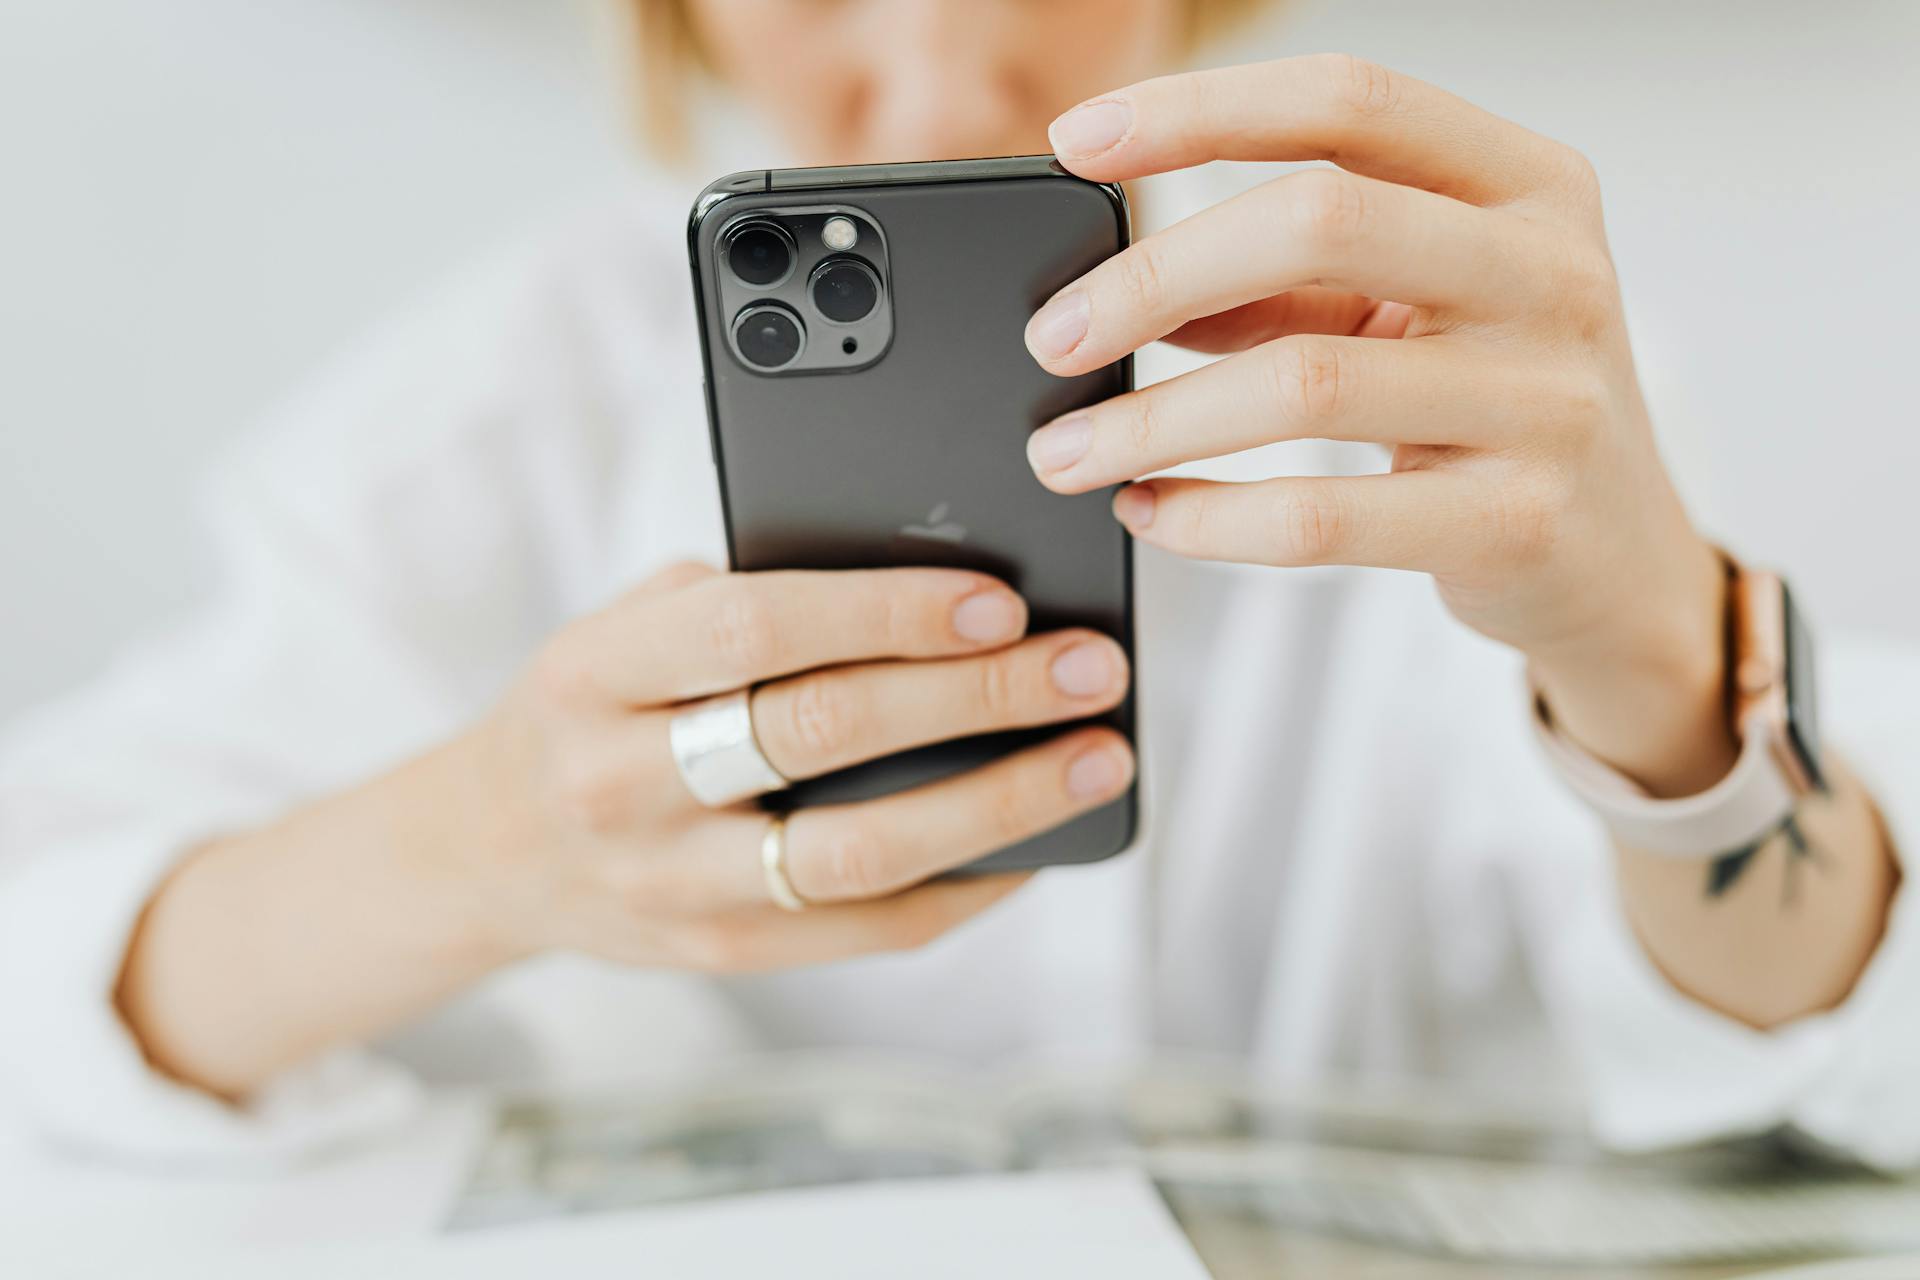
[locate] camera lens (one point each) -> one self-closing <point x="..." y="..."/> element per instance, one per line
<point x="845" y="290"/>
<point x="768" y="336"/>
<point x="760" y="254"/>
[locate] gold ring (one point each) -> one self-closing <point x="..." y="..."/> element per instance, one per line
<point x="773" y="861"/>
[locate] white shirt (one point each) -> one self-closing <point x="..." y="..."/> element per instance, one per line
<point x="1358" y="865"/>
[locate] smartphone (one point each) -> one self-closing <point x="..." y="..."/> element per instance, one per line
<point x="869" y="395"/>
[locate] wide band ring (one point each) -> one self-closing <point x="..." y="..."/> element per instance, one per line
<point x="717" y="755"/>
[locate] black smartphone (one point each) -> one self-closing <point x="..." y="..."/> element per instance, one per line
<point x="869" y="395"/>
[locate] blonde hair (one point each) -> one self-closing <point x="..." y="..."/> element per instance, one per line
<point x="669" y="55"/>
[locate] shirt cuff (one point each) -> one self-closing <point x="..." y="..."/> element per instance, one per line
<point x="76" y="1071"/>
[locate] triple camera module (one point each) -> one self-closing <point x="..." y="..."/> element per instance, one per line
<point x="805" y="290"/>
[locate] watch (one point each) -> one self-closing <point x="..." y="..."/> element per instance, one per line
<point x="1770" y="706"/>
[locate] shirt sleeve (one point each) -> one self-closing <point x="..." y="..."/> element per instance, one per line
<point x="1663" y="1070"/>
<point x="103" y="793"/>
<point x="387" y="549"/>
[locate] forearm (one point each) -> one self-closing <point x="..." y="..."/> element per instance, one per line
<point x="346" y="918"/>
<point x="1783" y="933"/>
<point x="1777" y="935"/>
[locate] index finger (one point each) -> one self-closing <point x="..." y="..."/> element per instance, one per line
<point x="1360" y="116"/>
<point x="731" y="630"/>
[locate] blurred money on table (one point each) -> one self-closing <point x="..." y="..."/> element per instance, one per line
<point x="1438" y="1175"/>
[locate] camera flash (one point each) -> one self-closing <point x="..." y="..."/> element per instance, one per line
<point x="839" y="234"/>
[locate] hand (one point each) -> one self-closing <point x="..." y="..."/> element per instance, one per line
<point x="560" y="821"/>
<point x="605" y="851"/>
<point x="1446" y="292"/>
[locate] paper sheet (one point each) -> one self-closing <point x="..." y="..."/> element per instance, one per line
<point x="1108" y="1223"/>
<point x="68" y="1217"/>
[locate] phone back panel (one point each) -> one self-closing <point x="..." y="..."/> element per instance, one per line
<point x="920" y="457"/>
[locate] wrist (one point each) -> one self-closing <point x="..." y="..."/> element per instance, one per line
<point x="335" y="923"/>
<point x="1648" y="696"/>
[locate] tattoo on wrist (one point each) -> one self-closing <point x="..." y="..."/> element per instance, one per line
<point x="1727" y="869"/>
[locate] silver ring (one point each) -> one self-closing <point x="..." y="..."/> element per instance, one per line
<point x="717" y="755"/>
<point x="773" y="861"/>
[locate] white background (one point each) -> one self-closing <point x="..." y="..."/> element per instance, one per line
<point x="199" y="200"/>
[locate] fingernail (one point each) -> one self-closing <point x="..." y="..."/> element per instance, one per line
<point x="1099" y="772"/>
<point x="1059" y="445"/>
<point x="1084" y="670"/>
<point x="1091" y="129"/>
<point x="1133" y="507"/>
<point x="988" y="616"/>
<point x="1058" y="327"/>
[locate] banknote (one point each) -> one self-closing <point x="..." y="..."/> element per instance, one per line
<point x="1416" y="1167"/>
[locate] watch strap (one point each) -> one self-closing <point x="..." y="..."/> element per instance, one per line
<point x="1742" y="808"/>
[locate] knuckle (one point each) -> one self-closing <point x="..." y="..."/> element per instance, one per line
<point x="1307" y="380"/>
<point x="822" y="717"/>
<point x="1314" y="528"/>
<point x="1142" y="424"/>
<point x="709" y="945"/>
<point x="904" y="619"/>
<point x="854" y="862"/>
<point x="1583" y="404"/>
<point x="1330" y="206"/>
<point x="1589" y="291"/>
<point x="1012" y="807"/>
<point x="655" y="892"/>
<point x="1530" y="517"/>
<point x="1191" y="519"/>
<point x="589" y="797"/>
<point x="742" y="634"/>
<point x="1577" y="173"/>
<point x="998" y="687"/>
<point x="912" y="930"/>
<point x="1536" y="531"/>
<point x="889" y="613"/>
<point x="1593" y="274"/>
<point x="1140" y="275"/>
<point x="559" y="677"/>
<point x="1208" y="94"/>
<point x="1362" y="87"/>
<point x="633" y="885"/>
